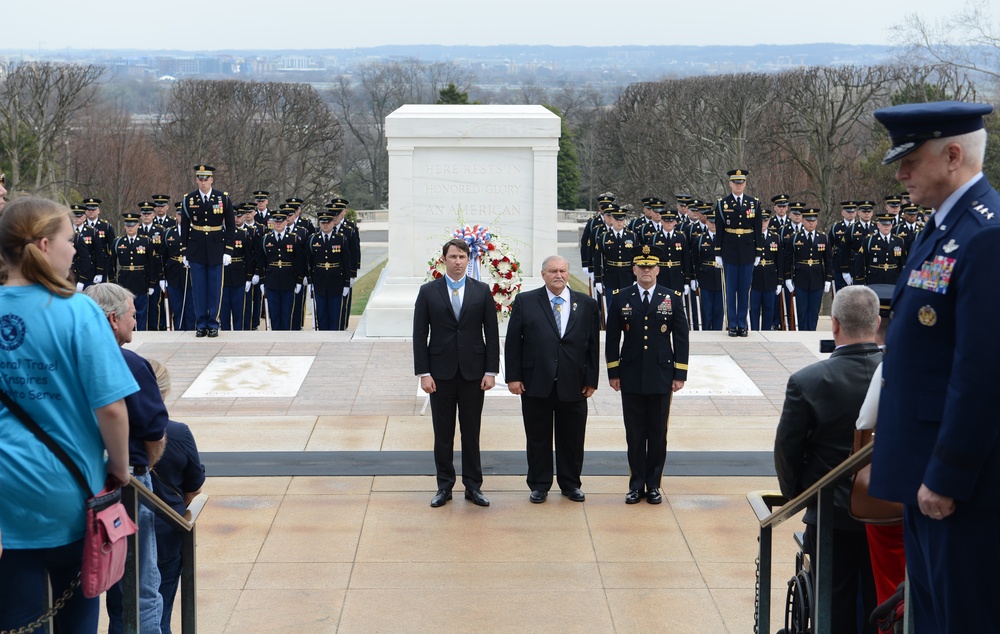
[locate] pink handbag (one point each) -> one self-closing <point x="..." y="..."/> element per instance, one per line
<point x="105" y="545"/>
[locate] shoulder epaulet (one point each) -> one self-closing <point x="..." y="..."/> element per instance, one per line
<point x="225" y="193"/>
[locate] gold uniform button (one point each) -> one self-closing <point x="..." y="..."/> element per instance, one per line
<point x="645" y="347"/>
<point x="645" y="338"/>
<point x="645" y="327"/>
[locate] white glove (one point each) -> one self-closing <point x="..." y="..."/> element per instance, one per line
<point x="848" y="278"/>
<point x="777" y="291"/>
<point x="826" y="287"/>
<point x="226" y="259"/>
<point x="246" y="288"/>
<point x="790" y="285"/>
<point x="163" y="285"/>
<point x="184" y="261"/>
<point x="151" y="291"/>
<point x="98" y="279"/>
<point x="305" y="281"/>
<point x="718" y="261"/>
<point x="309" y="290"/>
<point x="261" y="289"/>
<point x="586" y="271"/>
<point x="79" y="287"/>
<point x="591" y="274"/>
<point x="298" y="289"/>
<point x="255" y="280"/>
<point x="756" y="261"/>
<point x="686" y="290"/>
<point x="347" y="289"/>
<point x="599" y="287"/>
<point x="694" y="285"/>
<point x="353" y="280"/>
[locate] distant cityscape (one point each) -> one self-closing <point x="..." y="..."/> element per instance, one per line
<point x="499" y="65"/>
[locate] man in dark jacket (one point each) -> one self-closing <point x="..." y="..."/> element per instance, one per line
<point x="456" y="354"/>
<point x="553" y="343"/>
<point x="815" y="434"/>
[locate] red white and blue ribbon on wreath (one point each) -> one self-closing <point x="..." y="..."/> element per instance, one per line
<point x="477" y="237"/>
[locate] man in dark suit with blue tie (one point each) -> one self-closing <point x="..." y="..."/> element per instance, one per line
<point x="456" y="365"/>
<point x="938" y="451"/>
<point x="647" y="354"/>
<point x="207" y="233"/>
<point x="552" y="362"/>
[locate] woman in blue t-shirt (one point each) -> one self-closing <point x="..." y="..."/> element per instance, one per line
<point x="60" y="362"/>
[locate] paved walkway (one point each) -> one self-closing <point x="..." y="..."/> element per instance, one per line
<point x="358" y="549"/>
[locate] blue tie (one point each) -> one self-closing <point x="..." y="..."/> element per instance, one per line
<point x="557" y="303"/>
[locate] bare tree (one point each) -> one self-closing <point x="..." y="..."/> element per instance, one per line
<point x="39" y="102"/>
<point x="280" y="136"/>
<point x="968" y="40"/>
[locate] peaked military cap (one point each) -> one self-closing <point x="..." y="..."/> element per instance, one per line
<point x="866" y="205"/>
<point x="130" y="216"/>
<point x="145" y="207"/>
<point x="160" y="200"/>
<point x="738" y="174"/>
<point x="910" y="208"/>
<point x="261" y="194"/>
<point x="812" y="213"/>
<point x="912" y="124"/>
<point x="204" y="170"/>
<point x="796" y="207"/>
<point x="92" y="202"/>
<point x="648" y="256"/>
<point x="849" y="206"/>
<point x="892" y="199"/>
<point x="606" y="197"/>
<point x="884" y="216"/>
<point x="780" y="199"/>
<point x="78" y="210"/>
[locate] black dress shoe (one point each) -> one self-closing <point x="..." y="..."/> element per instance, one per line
<point x="633" y="496"/>
<point x="654" y="497"/>
<point x="201" y="332"/>
<point x="733" y="332"/>
<point x="477" y="497"/>
<point x="538" y="496"/>
<point x="743" y="332"/>
<point x="574" y="494"/>
<point x="440" y="498"/>
<point x="213" y="332"/>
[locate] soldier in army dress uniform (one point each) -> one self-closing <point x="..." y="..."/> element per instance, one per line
<point x="85" y="261"/>
<point x="674" y="261"/>
<point x="153" y="231"/>
<point x="134" y="267"/>
<point x="708" y="276"/>
<point x="880" y="256"/>
<point x="236" y="276"/>
<point x="613" y="256"/>
<point x="766" y="283"/>
<point x="840" y="239"/>
<point x="330" y="262"/>
<point x="811" y="269"/>
<point x="647" y="357"/>
<point x="281" y="265"/>
<point x="208" y="224"/>
<point x="909" y="227"/>
<point x="352" y="237"/>
<point x="738" y="219"/>
<point x="176" y="279"/>
<point x="104" y="238"/>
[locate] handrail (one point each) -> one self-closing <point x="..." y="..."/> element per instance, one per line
<point x="135" y="493"/>
<point x="820" y="494"/>
<point x="848" y="467"/>
<point x="162" y="509"/>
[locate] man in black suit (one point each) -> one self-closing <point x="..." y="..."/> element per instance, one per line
<point x="647" y="368"/>
<point x="207" y="237"/>
<point x="815" y="434"/>
<point x="456" y="366"/>
<point x="552" y="347"/>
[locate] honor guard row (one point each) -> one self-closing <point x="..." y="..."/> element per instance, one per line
<point x="791" y="263"/>
<point x="217" y="265"/>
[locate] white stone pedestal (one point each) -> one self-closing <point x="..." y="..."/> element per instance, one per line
<point x="463" y="165"/>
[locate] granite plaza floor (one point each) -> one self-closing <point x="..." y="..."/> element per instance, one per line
<point x="321" y="522"/>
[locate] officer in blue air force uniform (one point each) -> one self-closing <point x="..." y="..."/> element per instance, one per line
<point x="207" y="233"/>
<point x="938" y="452"/>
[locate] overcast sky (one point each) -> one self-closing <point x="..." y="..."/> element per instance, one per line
<point x="312" y="24"/>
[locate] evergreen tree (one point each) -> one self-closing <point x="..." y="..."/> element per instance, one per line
<point x="452" y="95"/>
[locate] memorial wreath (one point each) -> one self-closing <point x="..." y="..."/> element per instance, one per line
<point x="491" y="261"/>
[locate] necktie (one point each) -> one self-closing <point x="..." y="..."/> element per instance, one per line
<point x="645" y="300"/>
<point x="557" y="303"/>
